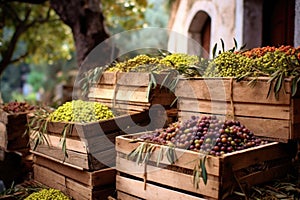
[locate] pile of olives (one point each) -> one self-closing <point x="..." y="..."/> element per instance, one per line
<point x="176" y="60"/>
<point x="16" y="107"/>
<point x="206" y="134"/>
<point x="263" y="61"/>
<point x="141" y="62"/>
<point x="81" y="111"/>
<point x="48" y="194"/>
<point x="145" y="63"/>
<point x="229" y="64"/>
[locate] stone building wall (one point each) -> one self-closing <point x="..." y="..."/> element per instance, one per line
<point x="239" y="19"/>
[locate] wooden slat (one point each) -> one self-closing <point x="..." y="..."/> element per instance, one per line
<point x="103" y="93"/>
<point x="124" y="196"/>
<point x="278" y="129"/>
<point x="74" y="158"/>
<point x="171" y="178"/>
<point x="136" y="188"/>
<point x="132" y="93"/>
<point x="240" y="109"/>
<point x="48" y="177"/>
<point x="103" y="158"/>
<point x="256" y="155"/>
<point x="101" y="143"/>
<point x="205" y="89"/>
<point x="220" y="89"/>
<point x="96" y="178"/>
<point x="133" y="79"/>
<point x="71" y="144"/>
<point x="108" y="78"/>
<point x="3" y="136"/>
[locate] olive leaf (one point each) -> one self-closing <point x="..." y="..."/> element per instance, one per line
<point x="295" y="84"/>
<point x="203" y="170"/>
<point x="200" y="172"/>
<point x="223" y="45"/>
<point x="171" y="154"/>
<point x="214" y="50"/>
<point x="63" y="140"/>
<point x="142" y="153"/>
<point x="235" y="43"/>
<point x="160" y="156"/>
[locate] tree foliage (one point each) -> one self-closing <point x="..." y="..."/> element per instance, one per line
<point x="32" y="32"/>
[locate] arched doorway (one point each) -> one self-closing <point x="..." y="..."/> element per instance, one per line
<point x="200" y="31"/>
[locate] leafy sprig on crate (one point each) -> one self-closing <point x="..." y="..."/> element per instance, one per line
<point x="37" y="126"/>
<point x="142" y="154"/>
<point x="37" y="129"/>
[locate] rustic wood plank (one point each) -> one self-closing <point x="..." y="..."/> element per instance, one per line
<point x="132" y="93"/>
<point x="95" y="178"/>
<point x="272" y="128"/>
<point x="260" y="177"/>
<point x="258" y="94"/>
<point x="205" y="89"/>
<point x="101" y="92"/>
<point x="220" y="89"/>
<point x="108" y="78"/>
<point x="74" y="158"/>
<point x="259" y="154"/>
<point x="124" y="196"/>
<point x="103" y="158"/>
<point x="101" y="143"/>
<point x="240" y="109"/>
<point x="48" y="177"/>
<point x="133" y="79"/>
<point x="171" y="178"/>
<point x="78" y="191"/>
<point x="136" y="188"/>
<point x="71" y="144"/>
<point x="3" y="136"/>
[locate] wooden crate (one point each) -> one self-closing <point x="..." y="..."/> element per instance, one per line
<point x="12" y="129"/>
<point x="275" y="119"/>
<point x="78" y="184"/>
<point x="90" y="146"/>
<point x="246" y="168"/>
<point x="129" y="91"/>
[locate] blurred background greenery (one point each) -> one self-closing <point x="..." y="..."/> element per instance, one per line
<point x="44" y="56"/>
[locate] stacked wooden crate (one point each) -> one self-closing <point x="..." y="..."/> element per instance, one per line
<point x="15" y="159"/>
<point x="131" y="92"/>
<point x="83" y="168"/>
<point x="91" y="146"/>
<point x="269" y="117"/>
<point x="12" y="129"/>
